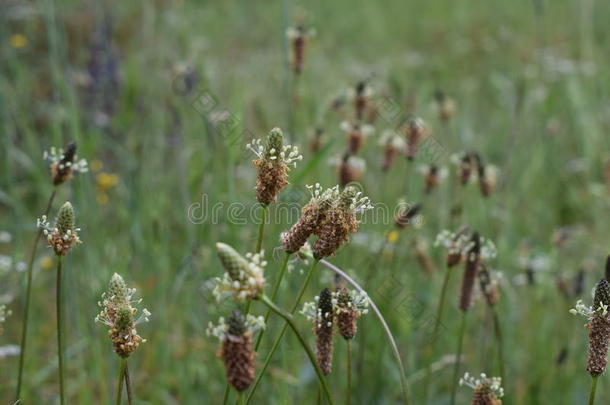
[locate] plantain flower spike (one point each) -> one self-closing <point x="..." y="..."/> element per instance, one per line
<point x="64" y="163"/>
<point x="341" y="220"/>
<point x="312" y="217"/>
<point x="119" y="314"/>
<point x="237" y="351"/>
<point x="63" y="234"/>
<point x="487" y="390"/>
<point x="274" y="159"/>
<point x="244" y="277"/>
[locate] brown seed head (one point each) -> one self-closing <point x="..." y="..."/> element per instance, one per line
<point x="415" y="132"/>
<point x="324" y="331"/>
<point x="471" y="268"/>
<point x="488" y="286"/>
<point x="340" y="221"/>
<point x="406" y="215"/>
<point x="313" y="215"/>
<point x="347" y="314"/>
<point x="238" y="353"/>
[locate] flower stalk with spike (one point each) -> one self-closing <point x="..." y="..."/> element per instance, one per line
<point x="63" y="165"/>
<point x="119" y="315"/>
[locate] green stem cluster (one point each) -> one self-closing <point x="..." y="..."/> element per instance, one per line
<point x="277" y="341"/>
<point x="290" y="321"/>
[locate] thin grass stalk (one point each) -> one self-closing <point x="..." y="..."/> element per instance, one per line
<point x="384" y="324"/>
<point x="369" y="276"/>
<point x="593" y="389"/>
<point x="456" y="367"/>
<point x="261" y="229"/>
<point x="437" y="324"/>
<point x="281" y="335"/>
<point x="28" y="294"/>
<point x="499" y="341"/>
<point x="119" y="391"/>
<point x="290" y="321"/>
<point x="128" y="385"/>
<point x="225" y="398"/>
<point x="276" y="287"/>
<point x="60" y="333"/>
<point x="348" y="393"/>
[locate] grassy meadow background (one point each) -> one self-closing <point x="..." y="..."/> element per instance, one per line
<point x="129" y="82"/>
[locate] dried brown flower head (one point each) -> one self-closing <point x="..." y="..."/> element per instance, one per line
<point x="415" y="132"/>
<point x="487" y="391"/>
<point x="341" y="220"/>
<point x="64" y="163"/>
<point x="445" y="105"/>
<point x="313" y="215"/>
<point x="349" y="306"/>
<point x="406" y="215"/>
<point x="324" y="331"/>
<point x="488" y="285"/>
<point x="237" y="350"/>
<point x="356" y="134"/>
<point x="362" y="93"/>
<point x="598" y="326"/>
<point x="273" y="163"/>
<point x="298" y="37"/>
<point x="350" y="169"/>
<point x="471" y="268"/>
<point x="393" y="145"/>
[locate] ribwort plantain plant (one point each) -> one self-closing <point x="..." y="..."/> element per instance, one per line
<point x="63" y="164"/>
<point x="339" y="221"/>
<point x="487" y="390"/>
<point x="477" y="250"/>
<point x="120" y="314"/>
<point x="61" y="237"/>
<point x="244" y="280"/>
<point x="273" y="162"/>
<point x="599" y="331"/>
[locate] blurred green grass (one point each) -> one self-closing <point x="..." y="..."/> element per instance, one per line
<point x="531" y="87"/>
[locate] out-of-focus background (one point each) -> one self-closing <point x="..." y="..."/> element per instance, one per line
<point x="162" y="98"/>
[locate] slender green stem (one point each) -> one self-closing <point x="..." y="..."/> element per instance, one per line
<point x="119" y="391"/>
<point x="456" y="367"/>
<point x="498" y="332"/>
<point x="60" y="333"/>
<point x="225" y="398"/>
<point x="441" y="304"/>
<point x="128" y="385"/>
<point x="437" y="324"/>
<point x="28" y="293"/>
<point x="348" y="393"/>
<point x="312" y="358"/>
<point x="276" y="287"/>
<point x="593" y="390"/>
<point x="261" y="229"/>
<point x="283" y="331"/>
